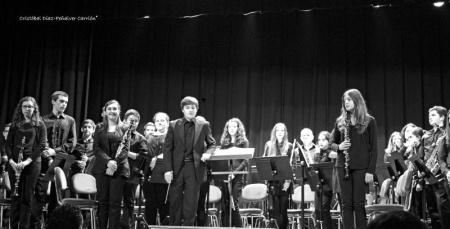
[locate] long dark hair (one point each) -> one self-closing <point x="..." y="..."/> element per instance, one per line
<point x="360" y="112"/>
<point x="240" y="134"/>
<point x="402" y="133"/>
<point x="19" y="118"/>
<point x="272" y="147"/>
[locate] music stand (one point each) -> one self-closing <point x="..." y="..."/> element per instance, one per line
<point x="221" y="161"/>
<point x="325" y="174"/>
<point x="394" y="177"/>
<point x="272" y="169"/>
<point x="425" y="172"/>
<point x="397" y="163"/>
<point x="141" y="222"/>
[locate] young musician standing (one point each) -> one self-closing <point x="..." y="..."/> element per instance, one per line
<point x="444" y="153"/>
<point x="155" y="193"/>
<point x="84" y="150"/>
<point x="234" y="136"/>
<point x="61" y="138"/>
<point x="356" y="133"/>
<point x="437" y="119"/>
<point x="111" y="165"/>
<point x="184" y="161"/>
<point x="27" y="136"/>
<point x="325" y="155"/>
<point x="278" y="145"/>
<point x="137" y="145"/>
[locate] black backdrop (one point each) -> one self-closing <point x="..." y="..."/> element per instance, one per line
<point x="286" y="66"/>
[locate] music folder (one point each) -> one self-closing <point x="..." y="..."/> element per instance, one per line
<point x="274" y="168"/>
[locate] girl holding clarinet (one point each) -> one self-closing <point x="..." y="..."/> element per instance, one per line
<point x="24" y="145"/>
<point x="355" y="138"/>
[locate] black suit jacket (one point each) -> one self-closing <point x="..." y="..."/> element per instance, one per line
<point x="174" y="147"/>
<point x="104" y="154"/>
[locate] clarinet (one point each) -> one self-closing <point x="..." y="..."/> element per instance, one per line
<point x="84" y="154"/>
<point x="18" y="172"/>
<point x="347" y="138"/>
<point x="124" y="143"/>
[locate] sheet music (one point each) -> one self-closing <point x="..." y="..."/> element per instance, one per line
<point x="232" y="153"/>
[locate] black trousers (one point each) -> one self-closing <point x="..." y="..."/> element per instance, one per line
<point x="128" y="219"/>
<point x="353" y="195"/>
<point x="280" y="206"/>
<point x="109" y="196"/>
<point x="326" y="207"/>
<point x="21" y="205"/>
<point x="184" y="192"/>
<point x="155" y="197"/>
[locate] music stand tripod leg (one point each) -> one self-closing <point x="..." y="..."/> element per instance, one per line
<point x="141" y="222"/>
<point x="272" y="223"/>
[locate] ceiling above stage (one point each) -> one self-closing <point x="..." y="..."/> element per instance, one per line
<point x="132" y="9"/>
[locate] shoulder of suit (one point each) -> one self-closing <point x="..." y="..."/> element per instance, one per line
<point x="176" y="122"/>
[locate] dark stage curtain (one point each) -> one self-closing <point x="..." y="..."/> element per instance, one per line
<point x="289" y="67"/>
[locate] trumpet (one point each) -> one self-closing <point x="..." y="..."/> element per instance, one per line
<point x="18" y="172"/>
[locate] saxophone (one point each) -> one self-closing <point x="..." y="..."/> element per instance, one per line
<point x="433" y="162"/>
<point x="347" y="138"/>
<point x="18" y="172"/>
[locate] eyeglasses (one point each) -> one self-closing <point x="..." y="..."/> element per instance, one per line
<point x="27" y="107"/>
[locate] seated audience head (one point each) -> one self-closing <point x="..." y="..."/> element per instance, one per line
<point x="66" y="216"/>
<point x="396" y="220"/>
